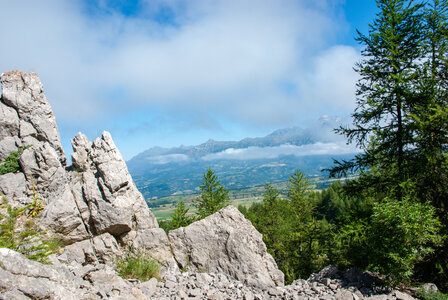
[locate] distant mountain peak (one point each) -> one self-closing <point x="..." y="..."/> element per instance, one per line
<point x="248" y="162"/>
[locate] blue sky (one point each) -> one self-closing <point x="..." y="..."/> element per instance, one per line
<point x="166" y="73"/>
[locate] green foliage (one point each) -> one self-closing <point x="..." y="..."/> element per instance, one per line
<point x="295" y="239"/>
<point x="431" y="295"/>
<point x="26" y="240"/>
<point x="401" y="123"/>
<point x="348" y="244"/>
<point x="11" y="163"/>
<point x="36" y="207"/>
<point x="401" y="234"/>
<point x="179" y="218"/>
<point x="392" y="50"/>
<point x="137" y="265"/>
<point x="213" y="195"/>
<point x="298" y="191"/>
<point x="390" y="236"/>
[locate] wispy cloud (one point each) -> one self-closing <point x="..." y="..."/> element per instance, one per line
<point x="165" y="159"/>
<point x="275" y="152"/>
<point x="254" y="63"/>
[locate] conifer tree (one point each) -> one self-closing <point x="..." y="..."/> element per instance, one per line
<point x="180" y="217"/>
<point x="382" y="123"/>
<point x="213" y="195"/>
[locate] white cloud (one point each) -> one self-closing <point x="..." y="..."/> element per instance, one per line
<point x="165" y="159"/>
<point x="219" y="51"/>
<point x="256" y="63"/>
<point x="331" y="82"/>
<point x="277" y="151"/>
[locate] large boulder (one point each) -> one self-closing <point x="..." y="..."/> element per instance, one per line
<point x="21" y="278"/>
<point x="226" y="242"/>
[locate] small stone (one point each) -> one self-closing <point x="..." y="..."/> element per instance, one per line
<point x="430" y="287"/>
<point x="326" y="281"/>
<point x="217" y="296"/>
<point x="258" y="297"/>
<point x="170" y="277"/>
<point x="344" y="295"/>
<point x="148" y="287"/>
<point x="138" y="294"/>
<point x="333" y="286"/>
<point x="248" y="295"/>
<point x="274" y="292"/>
<point x="194" y="292"/>
<point x="170" y="285"/>
<point x="402" y="296"/>
<point x="182" y="294"/>
<point x="357" y="295"/>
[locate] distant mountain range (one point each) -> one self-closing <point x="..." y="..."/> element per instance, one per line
<point x="160" y="172"/>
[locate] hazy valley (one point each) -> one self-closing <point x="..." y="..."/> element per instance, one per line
<point x="250" y="162"/>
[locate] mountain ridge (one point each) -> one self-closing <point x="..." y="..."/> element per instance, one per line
<point x="249" y="162"/>
<point x="318" y="132"/>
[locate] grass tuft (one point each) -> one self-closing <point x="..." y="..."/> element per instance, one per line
<point x="137" y="265"/>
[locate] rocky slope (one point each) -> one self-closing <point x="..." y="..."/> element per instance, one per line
<point x="94" y="207"/>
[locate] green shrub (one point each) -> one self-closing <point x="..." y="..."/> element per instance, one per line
<point x="11" y="163"/>
<point x="26" y="240"/>
<point x="137" y="265"/>
<point x="179" y="218"/>
<point x="401" y="234"/>
<point x="431" y="295"/>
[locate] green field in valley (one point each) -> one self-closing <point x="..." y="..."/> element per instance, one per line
<point x="164" y="207"/>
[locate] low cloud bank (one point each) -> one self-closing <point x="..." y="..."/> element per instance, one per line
<point x="277" y="151"/>
<point x="165" y="159"/>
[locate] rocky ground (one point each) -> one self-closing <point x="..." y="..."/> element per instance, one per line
<point x="21" y="278"/>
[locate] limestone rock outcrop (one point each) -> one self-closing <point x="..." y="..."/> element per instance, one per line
<point x="94" y="201"/>
<point x="114" y="202"/>
<point x="226" y="242"/>
<point x="21" y="278"/>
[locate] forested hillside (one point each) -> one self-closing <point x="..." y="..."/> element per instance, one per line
<point x="392" y="218"/>
<point x="160" y="172"/>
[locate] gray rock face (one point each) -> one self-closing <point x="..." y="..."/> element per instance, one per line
<point x="21" y="278"/>
<point x="26" y="119"/>
<point x="115" y="204"/>
<point x="226" y="242"/>
<point x="93" y="197"/>
<point x="31" y="117"/>
<point x="24" y="278"/>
